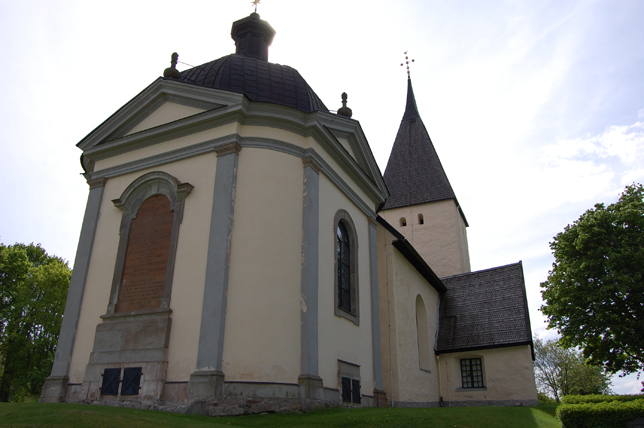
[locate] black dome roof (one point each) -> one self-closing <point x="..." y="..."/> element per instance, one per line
<point x="258" y="80"/>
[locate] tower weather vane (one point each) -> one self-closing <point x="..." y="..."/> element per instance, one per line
<point x="407" y="62"/>
<point x="255" y="3"/>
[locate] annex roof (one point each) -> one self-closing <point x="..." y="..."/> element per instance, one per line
<point x="414" y="174"/>
<point x="484" y="309"/>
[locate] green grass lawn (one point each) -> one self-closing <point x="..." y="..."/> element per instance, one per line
<point x="78" y="415"/>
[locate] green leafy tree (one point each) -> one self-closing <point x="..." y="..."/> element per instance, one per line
<point x="594" y="294"/>
<point x="560" y="372"/>
<point x="33" y="290"/>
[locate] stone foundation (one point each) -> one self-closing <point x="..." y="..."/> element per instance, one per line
<point x="226" y="399"/>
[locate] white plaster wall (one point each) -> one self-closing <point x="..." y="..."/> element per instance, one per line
<point x="189" y="271"/>
<point x="262" y="338"/>
<point x="441" y="240"/>
<point x="166" y="146"/>
<point x="166" y="113"/>
<point x="415" y="384"/>
<point x="507" y="375"/>
<point x="339" y="338"/>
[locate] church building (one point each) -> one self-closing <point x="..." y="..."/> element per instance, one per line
<point x="241" y="252"/>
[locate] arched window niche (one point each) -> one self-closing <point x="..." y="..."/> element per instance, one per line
<point x="422" y="332"/>
<point x="421" y="219"/>
<point x="347" y="304"/>
<point x="403" y="222"/>
<point x="152" y="208"/>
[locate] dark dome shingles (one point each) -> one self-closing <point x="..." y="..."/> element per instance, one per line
<point x="258" y="80"/>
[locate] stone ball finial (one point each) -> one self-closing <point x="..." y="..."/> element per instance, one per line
<point x="172" y="71"/>
<point x="344" y="110"/>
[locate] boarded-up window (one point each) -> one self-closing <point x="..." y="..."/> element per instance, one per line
<point x="146" y="257"/>
<point x="422" y="333"/>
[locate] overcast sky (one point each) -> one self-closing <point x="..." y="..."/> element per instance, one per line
<point x="536" y="109"/>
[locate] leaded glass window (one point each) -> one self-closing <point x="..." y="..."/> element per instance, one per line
<point x="472" y="373"/>
<point x="343" y="251"/>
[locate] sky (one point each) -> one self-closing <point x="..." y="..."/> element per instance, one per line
<point x="536" y="108"/>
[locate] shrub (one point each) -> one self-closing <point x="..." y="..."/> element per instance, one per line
<point x="579" y="399"/>
<point x="615" y="414"/>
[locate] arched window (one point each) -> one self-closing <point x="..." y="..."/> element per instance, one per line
<point x="403" y="221"/>
<point x="422" y="332"/>
<point x="152" y="208"/>
<point x="346" y="267"/>
<point x="343" y="255"/>
<point x="421" y="219"/>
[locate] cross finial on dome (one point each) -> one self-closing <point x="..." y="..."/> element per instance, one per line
<point x="255" y="3"/>
<point x="407" y="62"/>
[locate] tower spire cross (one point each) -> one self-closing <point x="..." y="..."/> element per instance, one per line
<point x="255" y="3"/>
<point x="407" y="62"/>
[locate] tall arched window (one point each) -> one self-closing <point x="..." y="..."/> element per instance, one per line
<point x="343" y="255"/>
<point x="152" y="208"/>
<point x="346" y="267"/>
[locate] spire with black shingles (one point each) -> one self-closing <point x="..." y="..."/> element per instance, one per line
<point x="414" y="174"/>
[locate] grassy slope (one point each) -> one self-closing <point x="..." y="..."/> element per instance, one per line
<point x="71" y="415"/>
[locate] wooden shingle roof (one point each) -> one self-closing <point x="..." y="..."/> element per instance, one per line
<point x="484" y="309"/>
<point x="414" y="174"/>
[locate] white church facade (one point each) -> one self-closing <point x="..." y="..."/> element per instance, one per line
<point x="241" y="252"/>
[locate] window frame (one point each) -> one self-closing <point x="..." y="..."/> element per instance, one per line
<point x="475" y="384"/>
<point x="342" y="216"/>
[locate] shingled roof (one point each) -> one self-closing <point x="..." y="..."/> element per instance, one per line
<point x="414" y="174"/>
<point x="248" y="71"/>
<point x="484" y="309"/>
<point x="259" y="80"/>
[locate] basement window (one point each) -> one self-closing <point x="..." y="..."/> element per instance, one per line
<point x="111" y="380"/>
<point x="131" y="381"/>
<point x="349" y="377"/>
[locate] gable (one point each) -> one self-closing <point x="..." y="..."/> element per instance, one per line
<point x="163" y="102"/>
<point x="166" y="113"/>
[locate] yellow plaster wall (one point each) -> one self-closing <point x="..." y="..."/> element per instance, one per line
<point x="167" y="146"/>
<point x="441" y="240"/>
<point x="507" y="375"/>
<point x="347" y="146"/>
<point x="189" y="266"/>
<point x="415" y="384"/>
<point x="388" y="326"/>
<point x="334" y="165"/>
<point x="275" y="134"/>
<point x="262" y="338"/>
<point x="166" y="113"/>
<point x="339" y="338"/>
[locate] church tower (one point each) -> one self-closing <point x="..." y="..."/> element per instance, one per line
<point x="422" y="205"/>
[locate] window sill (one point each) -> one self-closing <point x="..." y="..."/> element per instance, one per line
<point x="460" y="389"/>
<point x="339" y="312"/>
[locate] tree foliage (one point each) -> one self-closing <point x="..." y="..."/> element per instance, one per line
<point x="560" y="372"/>
<point x="594" y="294"/>
<point x="33" y="290"/>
